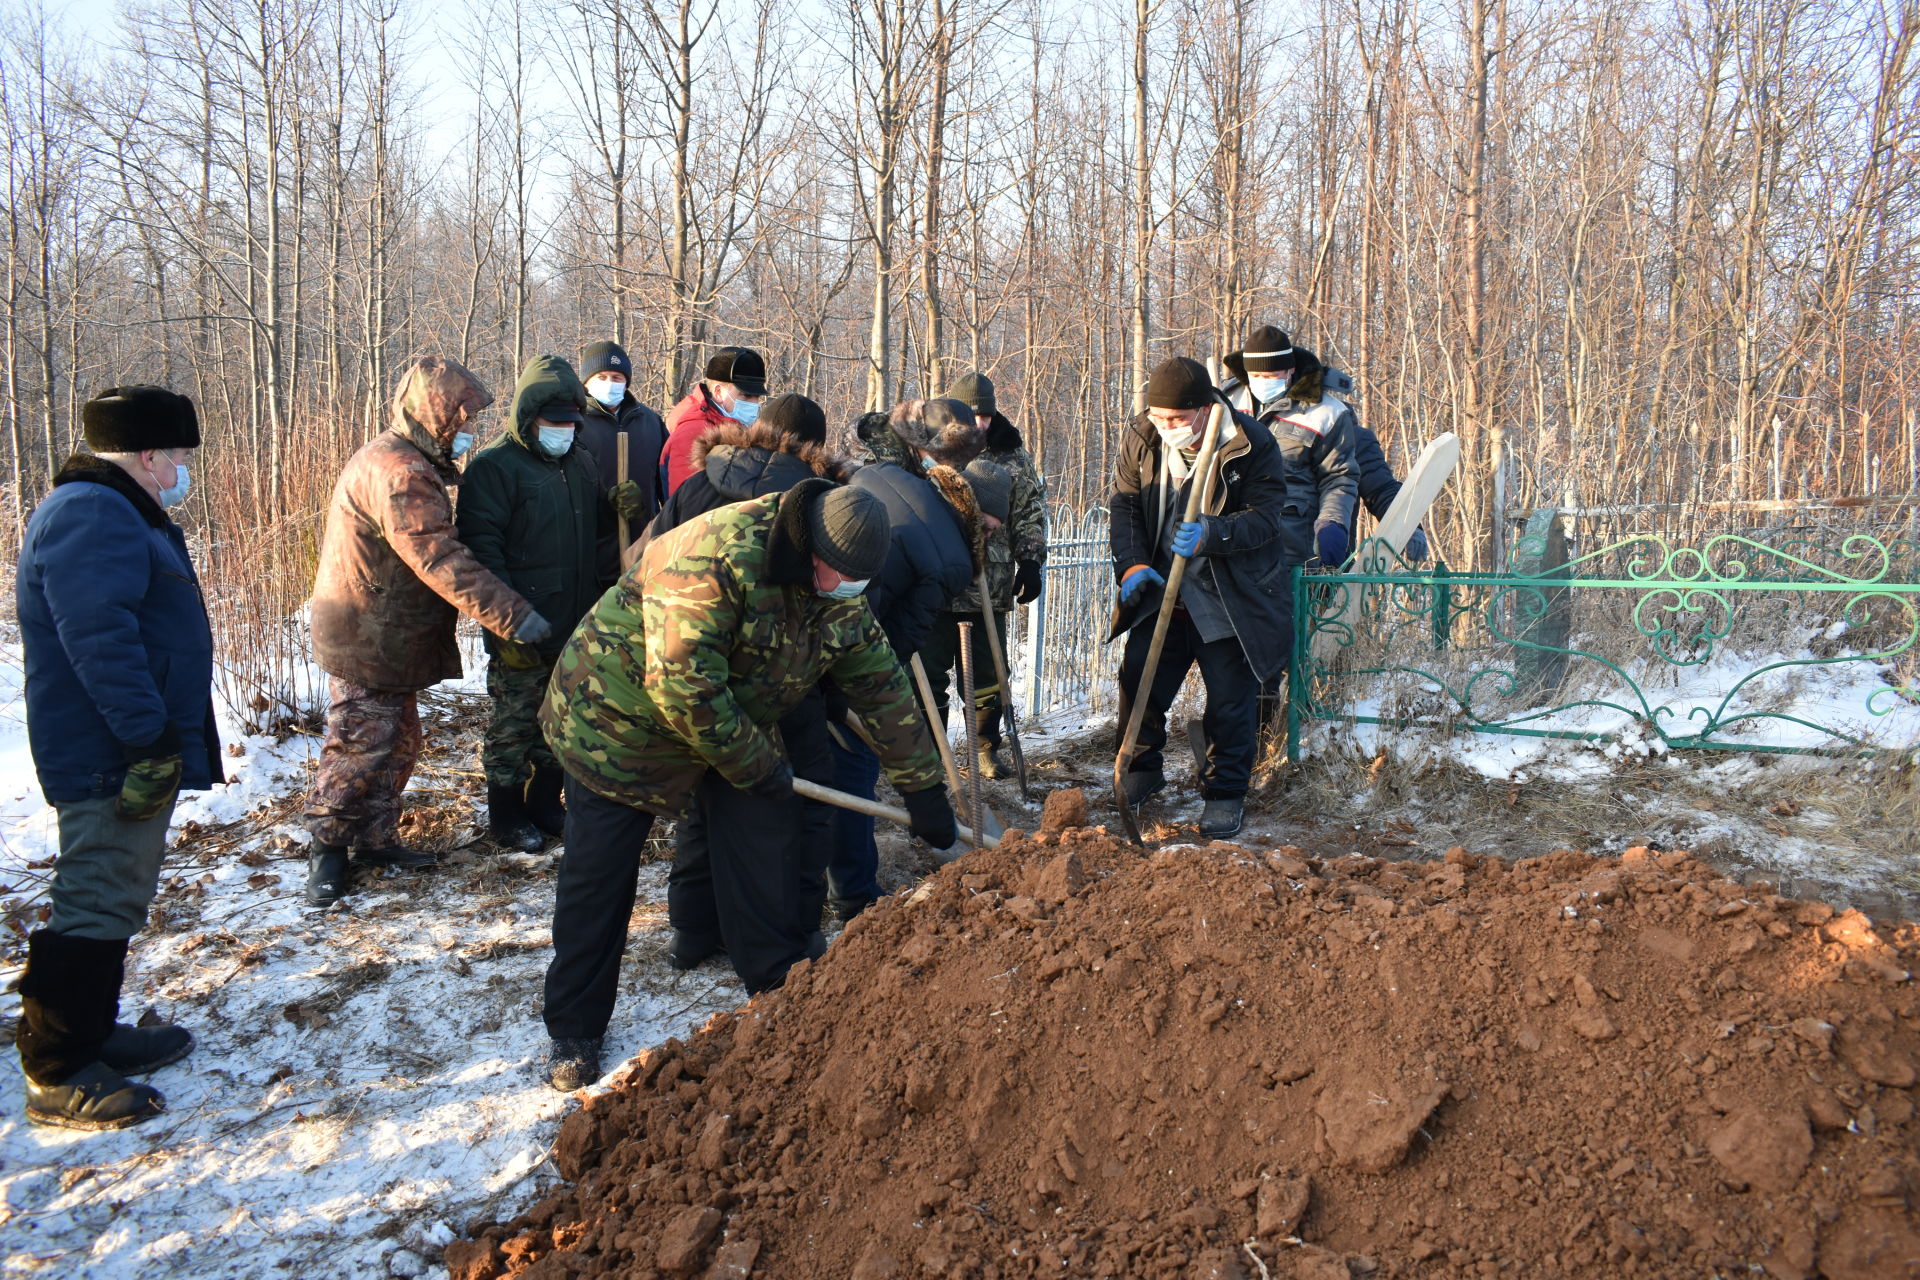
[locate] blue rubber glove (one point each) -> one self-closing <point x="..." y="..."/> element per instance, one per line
<point x="1417" y="547"/>
<point x="1330" y="537"/>
<point x="1189" y="537"/>
<point x="1137" y="581"/>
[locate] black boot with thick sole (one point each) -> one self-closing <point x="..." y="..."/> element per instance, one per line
<point x="69" y="996"/>
<point x="507" y="821"/>
<point x="326" y="874"/>
<point x="544" y="808"/>
<point x="573" y="1063"/>
<point x="134" y="1051"/>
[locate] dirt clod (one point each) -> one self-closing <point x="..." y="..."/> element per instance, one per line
<point x="1063" y="810"/>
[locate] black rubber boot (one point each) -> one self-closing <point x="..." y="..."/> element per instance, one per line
<point x="134" y="1051"/>
<point x="69" y="996"/>
<point x="544" y="809"/>
<point x="573" y="1063"/>
<point x="94" y="1097"/>
<point x="507" y="821"/>
<point x="326" y="874"/>
<point x="396" y="857"/>
<point x="1141" y="787"/>
<point x="1222" y="816"/>
<point x="690" y="952"/>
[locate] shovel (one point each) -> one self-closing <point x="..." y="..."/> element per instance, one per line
<point x="988" y="820"/>
<point x="1006" y="688"/>
<point x="1196" y="493"/>
<point x="874" y="809"/>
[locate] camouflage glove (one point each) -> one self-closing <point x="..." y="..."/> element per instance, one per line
<point x="518" y="657"/>
<point x="151" y="784"/>
<point x="629" y="500"/>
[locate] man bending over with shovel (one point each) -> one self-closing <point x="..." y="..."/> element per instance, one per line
<point x="1234" y="611"/>
<point x="666" y="701"/>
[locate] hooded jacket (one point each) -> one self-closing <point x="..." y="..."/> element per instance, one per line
<point x="1248" y="558"/>
<point x="534" y="519"/>
<point x="692" y="418"/>
<point x="394" y="574"/>
<point x="689" y="662"/>
<point x="733" y="463"/>
<point x="599" y="435"/>
<point x="118" y="650"/>
<point x="936" y="548"/>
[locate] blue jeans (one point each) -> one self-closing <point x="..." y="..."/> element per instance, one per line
<point x="853" y="869"/>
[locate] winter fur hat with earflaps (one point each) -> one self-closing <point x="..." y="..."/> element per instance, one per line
<point x="943" y="428"/>
<point x="129" y="419"/>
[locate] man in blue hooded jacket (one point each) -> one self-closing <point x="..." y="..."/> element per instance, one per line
<point x="119" y="687"/>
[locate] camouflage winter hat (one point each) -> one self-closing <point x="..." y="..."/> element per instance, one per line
<point x="848" y="529"/>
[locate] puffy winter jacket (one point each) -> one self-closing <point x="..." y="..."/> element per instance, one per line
<point x="692" y="418"/>
<point x="533" y="519"/>
<point x="733" y="463"/>
<point x="931" y="561"/>
<point x="394" y="575"/>
<point x="1318" y="434"/>
<point x="599" y="435"/>
<point x="118" y="650"/>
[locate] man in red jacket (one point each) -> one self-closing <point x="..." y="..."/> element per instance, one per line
<point x="731" y="391"/>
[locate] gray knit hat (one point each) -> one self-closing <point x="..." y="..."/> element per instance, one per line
<point x="944" y="428"/>
<point x="992" y="487"/>
<point x="848" y="529"/>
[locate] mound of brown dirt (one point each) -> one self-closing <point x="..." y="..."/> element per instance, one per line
<point x="1067" y="1057"/>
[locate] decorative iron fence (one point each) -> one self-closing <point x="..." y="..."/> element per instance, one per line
<point x="1791" y="641"/>
<point x="1064" y="655"/>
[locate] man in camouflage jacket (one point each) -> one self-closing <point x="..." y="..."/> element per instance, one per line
<point x="665" y="702"/>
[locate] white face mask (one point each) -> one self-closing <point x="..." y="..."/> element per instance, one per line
<point x="1265" y="388"/>
<point x="607" y="391"/>
<point x="555" y="441"/>
<point x="847" y="589"/>
<point x="176" y="493"/>
<point x="1178" y="437"/>
<point x="462" y="441"/>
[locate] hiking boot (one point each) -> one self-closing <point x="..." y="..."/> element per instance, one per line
<point x="1141" y="787"/>
<point x="690" y="951"/>
<point x="396" y="856"/>
<point x="134" y="1051"/>
<point x="94" y="1097"/>
<point x="1222" y="816"/>
<point x="573" y="1063"/>
<point x="845" y="909"/>
<point x="326" y="874"/>
<point x="507" y="821"/>
<point x="544" y="809"/>
<point x="990" y="766"/>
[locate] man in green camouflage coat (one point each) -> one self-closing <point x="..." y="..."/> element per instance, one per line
<point x="665" y="702"/>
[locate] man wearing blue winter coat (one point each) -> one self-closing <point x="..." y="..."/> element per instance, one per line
<point x="119" y="687"/>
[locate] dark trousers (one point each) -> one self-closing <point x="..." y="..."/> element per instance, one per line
<point x="593" y="900"/>
<point x="1231" y="717"/>
<point x="941" y="656"/>
<point x="853" y="868"/>
<point x="810" y="751"/>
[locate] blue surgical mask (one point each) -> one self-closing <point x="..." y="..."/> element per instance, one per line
<point x="607" y="391"/>
<point x="176" y="493"/>
<point x="462" y="441"/>
<point x="1265" y="389"/>
<point x="744" y="412"/>
<point x="927" y="463"/>
<point x="555" y="441"/>
<point x="848" y="589"/>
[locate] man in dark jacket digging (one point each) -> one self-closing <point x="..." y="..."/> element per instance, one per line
<point x="532" y="510"/>
<point x="612" y="408"/>
<point x="119" y="687"/>
<point x="1235" y="613"/>
<point x="394" y="577"/>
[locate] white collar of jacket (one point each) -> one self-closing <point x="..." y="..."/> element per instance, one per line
<point x="1317" y="418"/>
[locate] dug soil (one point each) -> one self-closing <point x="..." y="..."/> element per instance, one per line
<point x="1071" y="1057"/>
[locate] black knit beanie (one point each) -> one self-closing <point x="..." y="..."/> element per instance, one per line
<point x="992" y="487"/>
<point x="848" y="529"/>
<point x="975" y="390"/>
<point x="1268" y="350"/>
<point x="605" y="357"/>
<point x="129" y="419"/>
<point x="742" y="366"/>
<point x="796" y="416"/>
<point x="1180" y="383"/>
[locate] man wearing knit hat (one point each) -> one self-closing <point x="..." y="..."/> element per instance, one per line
<point x="1234" y="617"/>
<point x="119" y="691"/>
<point x="731" y="391"/>
<point x="612" y="407"/>
<point x="665" y="702"/>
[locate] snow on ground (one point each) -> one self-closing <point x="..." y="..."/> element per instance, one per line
<point x="365" y="1083"/>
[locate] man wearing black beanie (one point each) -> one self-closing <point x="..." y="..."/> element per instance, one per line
<point x="1234" y="617"/>
<point x="119" y="689"/>
<point x="613" y="407"/>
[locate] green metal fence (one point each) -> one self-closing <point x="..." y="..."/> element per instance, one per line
<point x="1783" y="641"/>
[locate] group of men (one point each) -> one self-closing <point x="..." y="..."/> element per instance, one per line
<point x="754" y="625"/>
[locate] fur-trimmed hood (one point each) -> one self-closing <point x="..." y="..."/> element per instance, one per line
<point x="952" y="485"/>
<point x="751" y="460"/>
<point x="1002" y="435"/>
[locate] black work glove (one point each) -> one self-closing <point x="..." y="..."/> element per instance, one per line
<point x="932" y="816"/>
<point x="515" y="656"/>
<point x="776" y="785"/>
<point x="1026" y="581"/>
<point x="834" y="700"/>
<point x="153" y="778"/>
<point x="629" y="500"/>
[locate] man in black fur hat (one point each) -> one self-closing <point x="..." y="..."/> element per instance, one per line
<point x="119" y="686"/>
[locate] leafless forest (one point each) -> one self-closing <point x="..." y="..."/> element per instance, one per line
<point x="1630" y="252"/>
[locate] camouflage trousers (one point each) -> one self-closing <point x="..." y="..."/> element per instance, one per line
<point x="514" y="745"/>
<point x="373" y="742"/>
